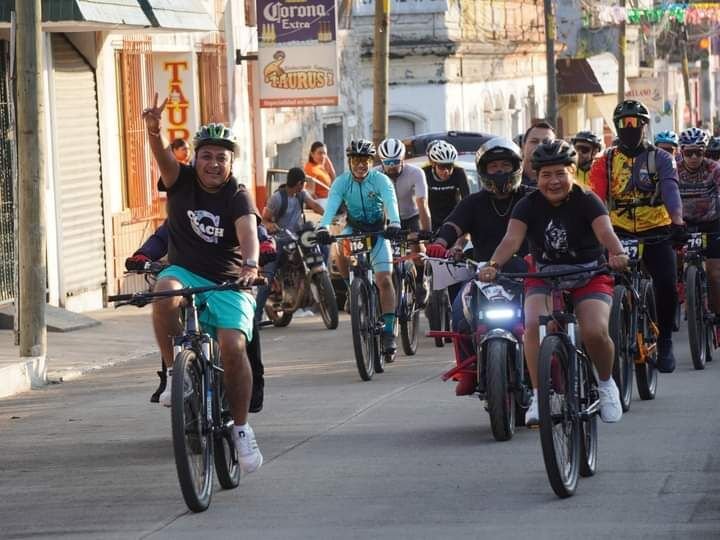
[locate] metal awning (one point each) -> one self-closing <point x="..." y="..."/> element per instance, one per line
<point x="181" y="15"/>
<point x="95" y="15"/>
<point x="593" y="75"/>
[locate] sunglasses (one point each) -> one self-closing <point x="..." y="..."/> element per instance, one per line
<point x="630" y="122"/>
<point x="583" y="149"/>
<point x="360" y="160"/>
<point x="391" y="162"/>
<point x="697" y="152"/>
<point x="445" y="166"/>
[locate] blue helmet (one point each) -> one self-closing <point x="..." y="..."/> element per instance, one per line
<point x="667" y="137"/>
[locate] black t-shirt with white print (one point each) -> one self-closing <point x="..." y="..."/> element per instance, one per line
<point x="444" y="196"/>
<point x="562" y="234"/>
<point x="202" y="226"/>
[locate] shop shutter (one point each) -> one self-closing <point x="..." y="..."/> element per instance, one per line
<point x="78" y="181"/>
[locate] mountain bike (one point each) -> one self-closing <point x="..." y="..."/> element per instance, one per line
<point x="202" y="425"/>
<point x="406" y="308"/>
<point x="700" y="319"/>
<point x="568" y="397"/>
<point x="633" y="326"/>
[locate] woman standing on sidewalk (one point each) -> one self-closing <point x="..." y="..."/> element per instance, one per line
<point x="320" y="167"/>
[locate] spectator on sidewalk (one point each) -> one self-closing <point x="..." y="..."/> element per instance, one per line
<point x="320" y="167"/>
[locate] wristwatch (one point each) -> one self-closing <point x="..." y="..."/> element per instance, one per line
<point x="250" y="263"/>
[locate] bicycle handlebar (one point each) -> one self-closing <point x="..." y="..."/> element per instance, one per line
<point x="143" y="298"/>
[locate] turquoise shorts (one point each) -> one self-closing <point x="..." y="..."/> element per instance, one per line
<point x="222" y="309"/>
<point x="381" y="255"/>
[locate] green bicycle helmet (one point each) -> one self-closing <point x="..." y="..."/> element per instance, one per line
<point x="215" y="134"/>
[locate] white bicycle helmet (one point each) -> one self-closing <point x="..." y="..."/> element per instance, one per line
<point x="694" y="137"/>
<point x="391" y="149"/>
<point x="442" y="152"/>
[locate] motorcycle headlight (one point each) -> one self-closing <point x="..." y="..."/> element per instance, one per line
<point x="499" y="313"/>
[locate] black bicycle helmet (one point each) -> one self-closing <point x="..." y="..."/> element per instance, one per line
<point x="360" y="147"/>
<point x="557" y="152"/>
<point x="588" y="137"/>
<point x="631" y="107"/>
<point x="215" y="134"/>
<point x="499" y="148"/>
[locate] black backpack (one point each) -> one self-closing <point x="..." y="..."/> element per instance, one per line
<point x="282" y="189"/>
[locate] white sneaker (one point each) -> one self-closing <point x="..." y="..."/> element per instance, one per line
<point x="610" y="406"/>
<point x="249" y="456"/>
<point x="165" y="399"/>
<point x="532" y="417"/>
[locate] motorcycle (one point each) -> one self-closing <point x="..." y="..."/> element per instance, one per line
<point x="301" y="281"/>
<point x="492" y="354"/>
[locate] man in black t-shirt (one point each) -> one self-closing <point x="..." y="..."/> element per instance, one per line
<point x="484" y="215"/>
<point x="213" y="238"/>
<point x="447" y="184"/>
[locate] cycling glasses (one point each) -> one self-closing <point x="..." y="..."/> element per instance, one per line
<point x="694" y="152"/>
<point x="630" y="122"/>
<point x="360" y="160"/>
<point x="445" y="166"/>
<point x="391" y="162"/>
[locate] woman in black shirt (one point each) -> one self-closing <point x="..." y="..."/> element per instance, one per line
<point x="565" y="225"/>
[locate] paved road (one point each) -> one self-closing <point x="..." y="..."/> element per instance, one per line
<point x="398" y="457"/>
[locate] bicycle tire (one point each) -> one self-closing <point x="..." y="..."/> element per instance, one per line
<point x="619" y="327"/>
<point x="588" y="427"/>
<point x="697" y="325"/>
<point x="555" y="377"/>
<point x="328" y="303"/>
<point x="189" y="432"/>
<point x="227" y="466"/>
<point x="500" y="398"/>
<point x="279" y="318"/>
<point x="360" y="323"/>
<point x="409" y="314"/>
<point x="380" y="357"/>
<point x="434" y="314"/>
<point x="646" y="374"/>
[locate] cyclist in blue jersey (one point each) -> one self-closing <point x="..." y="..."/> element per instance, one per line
<point x="370" y="200"/>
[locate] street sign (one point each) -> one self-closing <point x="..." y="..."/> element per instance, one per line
<point x="297" y="53"/>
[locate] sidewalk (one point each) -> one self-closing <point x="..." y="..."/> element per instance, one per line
<point x="123" y="334"/>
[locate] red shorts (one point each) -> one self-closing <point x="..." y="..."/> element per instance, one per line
<point x="598" y="288"/>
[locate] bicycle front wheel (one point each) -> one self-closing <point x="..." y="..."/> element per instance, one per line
<point x="587" y="390"/>
<point x="619" y="328"/>
<point x="646" y="373"/>
<point x="559" y="424"/>
<point x="409" y="314"/>
<point x="698" y="329"/>
<point x="362" y="322"/>
<point x="192" y="442"/>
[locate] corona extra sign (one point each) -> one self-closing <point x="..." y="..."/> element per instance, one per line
<point x="297" y="53"/>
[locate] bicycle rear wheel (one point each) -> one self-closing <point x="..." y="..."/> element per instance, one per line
<point x="227" y="467"/>
<point x="698" y="327"/>
<point x="618" y="329"/>
<point x="646" y="373"/>
<point x="587" y="390"/>
<point x="557" y="407"/>
<point x="362" y="330"/>
<point x="192" y="443"/>
<point x="409" y="314"/>
<point x="435" y="313"/>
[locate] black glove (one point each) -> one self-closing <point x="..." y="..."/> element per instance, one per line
<point x="678" y="234"/>
<point x="322" y="236"/>
<point x="392" y="232"/>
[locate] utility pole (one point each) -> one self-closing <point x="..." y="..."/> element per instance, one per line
<point x="31" y="184"/>
<point x="381" y="60"/>
<point x="552" y="97"/>
<point x="622" y="45"/>
<point x="686" y="73"/>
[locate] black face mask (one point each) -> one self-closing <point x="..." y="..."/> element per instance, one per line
<point x="631" y="137"/>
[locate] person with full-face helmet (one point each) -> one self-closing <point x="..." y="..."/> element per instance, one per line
<point x="484" y="216"/>
<point x="700" y="192"/>
<point x="639" y="184"/>
<point x="667" y="140"/>
<point x="447" y="183"/>
<point x="369" y="197"/>
<point x="212" y="225"/>
<point x="587" y="145"/>
<point x="713" y="149"/>
<point x="566" y="225"/>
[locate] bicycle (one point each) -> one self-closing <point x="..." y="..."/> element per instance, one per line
<point x="202" y="425"/>
<point x="633" y="326"/>
<point x="439" y="308"/>
<point x="406" y="308"/>
<point x="694" y="289"/>
<point x="568" y="397"/>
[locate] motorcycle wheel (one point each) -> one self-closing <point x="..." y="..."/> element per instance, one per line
<point x="500" y="399"/>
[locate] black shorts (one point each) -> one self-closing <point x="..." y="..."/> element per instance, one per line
<point x="411" y="224"/>
<point x="712" y="251"/>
